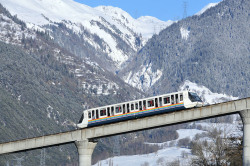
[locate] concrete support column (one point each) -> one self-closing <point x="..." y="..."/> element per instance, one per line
<point x="245" y="116"/>
<point x="85" y="150"/>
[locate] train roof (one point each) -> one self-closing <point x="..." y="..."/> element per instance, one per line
<point x="136" y="100"/>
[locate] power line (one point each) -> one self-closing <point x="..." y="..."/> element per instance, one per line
<point x="185" y="4"/>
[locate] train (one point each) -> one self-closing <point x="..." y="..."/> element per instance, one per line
<point x="139" y="108"/>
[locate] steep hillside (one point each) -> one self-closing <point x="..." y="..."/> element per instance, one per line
<point x="211" y="49"/>
<point x="44" y="88"/>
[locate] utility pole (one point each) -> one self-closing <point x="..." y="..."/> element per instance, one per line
<point x="116" y="149"/>
<point x="43" y="157"/>
<point x="185" y="4"/>
<point x="19" y="160"/>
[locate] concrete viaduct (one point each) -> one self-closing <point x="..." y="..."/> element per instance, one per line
<point x="84" y="138"/>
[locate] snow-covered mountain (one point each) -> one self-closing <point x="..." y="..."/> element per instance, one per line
<point x="206" y="8"/>
<point x="119" y="34"/>
<point x="201" y="48"/>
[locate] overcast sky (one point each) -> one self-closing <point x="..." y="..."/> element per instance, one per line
<point x="161" y="9"/>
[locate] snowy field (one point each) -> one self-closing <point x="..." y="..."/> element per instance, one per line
<point x="167" y="154"/>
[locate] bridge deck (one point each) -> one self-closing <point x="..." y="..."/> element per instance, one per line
<point x="128" y="126"/>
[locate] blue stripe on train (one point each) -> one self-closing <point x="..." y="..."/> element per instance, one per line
<point x="135" y="115"/>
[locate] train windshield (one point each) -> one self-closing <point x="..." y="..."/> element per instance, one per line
<point x="194" y="97"/>
<point x="82" y="117"/>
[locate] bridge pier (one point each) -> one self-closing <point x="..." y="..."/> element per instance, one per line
<point x="245" y="116"/>
<point x="85" y="150"/>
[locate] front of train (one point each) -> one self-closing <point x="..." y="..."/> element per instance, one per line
<point x="192" y="100"/>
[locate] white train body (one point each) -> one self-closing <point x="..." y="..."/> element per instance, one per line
<point x="139" y="108"/>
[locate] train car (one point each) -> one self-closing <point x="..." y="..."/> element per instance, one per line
<point x="139" y="108"/>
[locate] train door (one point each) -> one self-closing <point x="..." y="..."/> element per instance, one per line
<point x="156" y="102"/>
<point x="172" y="99"/>
<point x="160" y="101"/>
<point x="108" y="111"/>
<point x="128" y="110"/>
<point x="140" y="105"/>
<point x="136" y="106"/>
<point x="177" y="98"/>
<point x="112" y="111"/>
<point x="124" y="108"/>
<point x="97" y="114"/>
<point x="93" y="114"/>
<point x="144" y="104"/>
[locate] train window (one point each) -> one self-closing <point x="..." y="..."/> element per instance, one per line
<point x="132" y="107"/>
<point x="136" y="106"/>
<point x="89" y="114"/>
<point x="81" y="119"/>
<point x="181" y="97"/>
<point x="150" y="103"/>
<point x="103" y="112"/>
<point x="194" y="97"/>
<point x="118" y="109"/>
<point x="166" y="100"/>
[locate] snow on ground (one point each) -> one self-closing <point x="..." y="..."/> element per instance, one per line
<point x="153" y="159"/>
<point x="206" y="8"/>
<point x="167" y="154"/>
<point x="182" y="133"/>
<point x="188" y="133"/>
<point x="184" y="33"/>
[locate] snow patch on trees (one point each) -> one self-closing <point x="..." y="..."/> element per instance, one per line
<point x="206" y="95"/>
<point x="143" y="79"/>
<point x="184" y="33"/>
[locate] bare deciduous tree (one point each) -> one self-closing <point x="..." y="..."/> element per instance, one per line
<point x="216" y="149"/>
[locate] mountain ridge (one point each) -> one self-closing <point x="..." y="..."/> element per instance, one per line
<point x="120" y="34"/>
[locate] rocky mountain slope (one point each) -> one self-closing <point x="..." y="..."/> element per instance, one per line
<point x="211" y="49"/>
